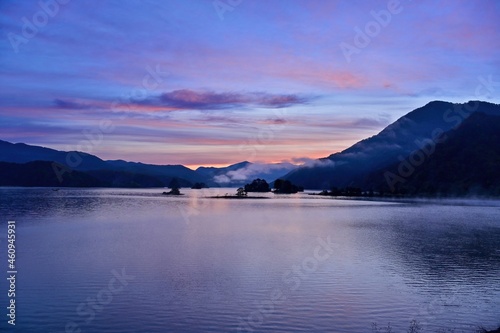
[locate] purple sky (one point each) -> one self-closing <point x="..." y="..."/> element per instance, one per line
<point x="203" y="82"/>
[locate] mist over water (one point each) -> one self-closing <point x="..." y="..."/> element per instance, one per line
<point x="292" y="263"/>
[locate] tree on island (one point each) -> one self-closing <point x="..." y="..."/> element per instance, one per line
<point x="174" y="191"/>
<point x="241" y="192"/>
<point x="257" y="185"/>
<point x="199" y="186"/>
<point x="174" y="187"/>
<point x="346" y="192"/>
<point x="286" y="187"/>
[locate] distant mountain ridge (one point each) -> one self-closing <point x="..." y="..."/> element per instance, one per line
<point x="120" y="173"/>
<point x="41" y="174"/>
<point x="23" y="153"/>
<point x="79" y="161"/>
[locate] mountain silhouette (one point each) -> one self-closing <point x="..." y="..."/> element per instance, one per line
<point x="116" y="173"/>
<point x="465" y="162"/>
<point x="397" y="141"/>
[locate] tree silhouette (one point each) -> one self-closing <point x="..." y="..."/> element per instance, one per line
<point x="257" y="185"/>
<point x="285" y="186"/>
<point x="241" y="192"/>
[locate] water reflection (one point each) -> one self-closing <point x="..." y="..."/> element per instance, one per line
<point x="205" y="264"/>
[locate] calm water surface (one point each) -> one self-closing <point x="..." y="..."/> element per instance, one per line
<point x="293" y="263"/>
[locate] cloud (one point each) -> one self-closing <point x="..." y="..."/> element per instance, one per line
<point x="355" y="123"/>
<point x="187" y="99"/>
<point x="72" y="105"/>
<point x="207" y="100"/>
<point x="254" y="170"/>
<point x="275" y="121"/>
<point x="370" y="122"/>
<point x="222" y="179"/>
<point x="310" y="163"/>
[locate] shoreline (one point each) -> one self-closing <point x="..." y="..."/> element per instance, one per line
<point x="234" y="197"/>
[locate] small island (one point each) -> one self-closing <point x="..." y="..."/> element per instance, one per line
<point x="282" y="186"/>
<point x="241" y="193"/>
<point x="199" y="186"/>
<point x="174" y="188"/>
<point x="258" y="185"/>
<point x="350" y="191"/>
<point x="344" y="192"/>
<point x="174" y="191"/>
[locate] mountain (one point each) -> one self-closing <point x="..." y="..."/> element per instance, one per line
<point x="209" y="173"/>
<point x="244" y="172"/>
<point x="466" y="162"/>
<point x="41" y="173"/>
<point x="165" y="173"/>
<point x="121" y="172"/>
<point x="23" y="153"/>
<point x="114" y="178"/>
<point x="397" y="141"/>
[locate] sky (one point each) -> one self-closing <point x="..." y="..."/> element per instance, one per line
<point x="204" y="82"/>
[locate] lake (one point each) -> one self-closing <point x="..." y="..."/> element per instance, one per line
<point x="126" y="260"/>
